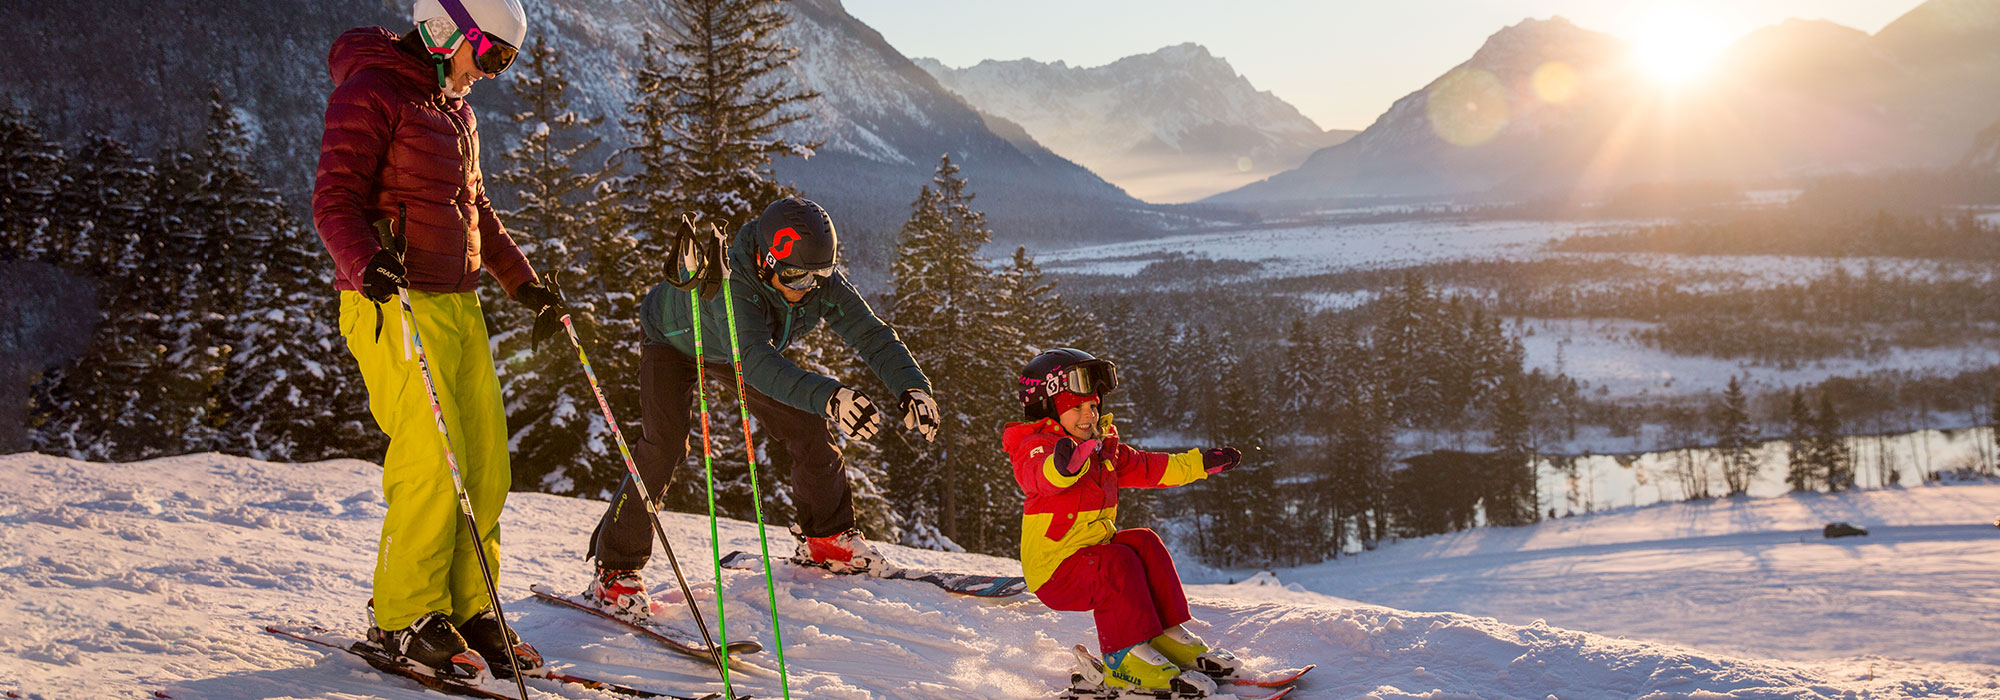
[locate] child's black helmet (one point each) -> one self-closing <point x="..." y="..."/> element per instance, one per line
<point x="1059" y="370"/>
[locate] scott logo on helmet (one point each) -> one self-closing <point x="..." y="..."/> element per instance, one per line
<point x="781" y="242"/>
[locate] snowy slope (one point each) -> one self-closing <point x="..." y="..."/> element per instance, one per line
<point x="126" y="580"/>
<point x="1746" y="576"/>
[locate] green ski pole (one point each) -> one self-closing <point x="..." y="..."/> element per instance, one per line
<point x="756" y="498"/>
<point x="708" y="470"/>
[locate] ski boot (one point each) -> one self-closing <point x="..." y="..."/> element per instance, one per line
<point x="843" y="553"/>
<point x="484" y="634"/>
<point x="432" y="647"/>
<point x="1189" y="652"/>
<point x="621" y="593"/>
<point x="1137" y="671"/>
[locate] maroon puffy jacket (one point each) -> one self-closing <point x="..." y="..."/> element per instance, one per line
<point x="392" y="138"/>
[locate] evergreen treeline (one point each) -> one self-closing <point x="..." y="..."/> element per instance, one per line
<point x="216" y="319"/>
<point x="1789" y="231"/>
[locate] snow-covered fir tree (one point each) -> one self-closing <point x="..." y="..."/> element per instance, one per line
<point x="946" y="307"/>
<point x="726" y="95"/>
<point x="560" y="440"/>
<point x="1802" y="472"/>
<point x="290" y="391"/>
<point x="31" y="173"/>
<point x="1831" y="453"/>
<point x="1733" y="436"/>
<point x="144" y="388"/>
<point x="1510" y="493"/>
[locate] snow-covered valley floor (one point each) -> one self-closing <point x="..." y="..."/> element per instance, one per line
<point x="126" y="580"/>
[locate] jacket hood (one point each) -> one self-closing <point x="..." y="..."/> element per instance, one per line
<point x="1015" y="433"/>
<point x="362" y="48"/>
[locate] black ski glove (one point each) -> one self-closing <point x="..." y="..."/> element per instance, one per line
<point x="383" y="276"/>
<point x="549" y="309"/>
<point x="1220" y="459"/>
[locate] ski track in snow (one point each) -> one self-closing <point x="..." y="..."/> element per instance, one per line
<point x="121" y="580"/>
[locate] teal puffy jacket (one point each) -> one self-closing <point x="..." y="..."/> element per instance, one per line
<point x="767" y="324"/>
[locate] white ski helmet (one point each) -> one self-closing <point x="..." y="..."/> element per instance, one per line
<point x="499" y="19"/>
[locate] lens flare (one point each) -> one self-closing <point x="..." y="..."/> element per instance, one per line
<point x="1467" y="107"/>
<point x="1676" y="45"/>
<point x="1554" y="82"/>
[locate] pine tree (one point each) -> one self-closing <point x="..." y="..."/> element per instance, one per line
<point x="1511" y="498"/>
<point x="1834" y="457"/>
<point x="641" y="204"/>
<point x="943" y="305"/>
<point x="31" y="173"/>
<point x="1302" y="377"/>
<point x="1733" y="437"/>
<point x="562" y="442"/>
<point x="1803" y="470"/>
<point x="145" y="387"/>
<point x="1041" y="315"/>
<point x="728" y="95"/>
<point x="1361" y="446"/>
<point x="290" y="391"/>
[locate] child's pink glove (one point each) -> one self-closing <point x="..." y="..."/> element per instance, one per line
<point x="1220" y="459"/>
<point x="1072" y="458"/>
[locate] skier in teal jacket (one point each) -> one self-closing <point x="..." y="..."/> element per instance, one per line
<point x="783" y="284"/>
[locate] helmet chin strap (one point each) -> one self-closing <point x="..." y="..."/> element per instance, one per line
<point x="441" y="53"/>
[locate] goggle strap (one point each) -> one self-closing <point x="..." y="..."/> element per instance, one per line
<point x="463" y="19"/>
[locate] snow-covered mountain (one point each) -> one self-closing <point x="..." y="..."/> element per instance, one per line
<point x="1985" y="153"/>
<point x="885" y="122"/>
<point x="1546" y="106"/>
<point x="154" y="579"/>
<point x="1169" y="126"/>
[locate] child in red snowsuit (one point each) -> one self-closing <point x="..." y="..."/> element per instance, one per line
<point x="1070" y="464"/>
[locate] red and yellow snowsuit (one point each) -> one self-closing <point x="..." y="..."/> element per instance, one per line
<point x="1072" y="552"/>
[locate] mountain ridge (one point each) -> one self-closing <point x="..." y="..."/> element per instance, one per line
<point x="1786" y="101"/>
<point x="1169" y="125"/>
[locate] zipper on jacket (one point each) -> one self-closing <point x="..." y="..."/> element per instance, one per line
<point x="464" y="173"/>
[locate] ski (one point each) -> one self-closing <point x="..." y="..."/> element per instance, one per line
<point x="1271" y="679"/>
<point x="677" y="640"/>
<point x="975" y="585"/>
<point x="1086" y="682"/>
<point x="382" y="661"/>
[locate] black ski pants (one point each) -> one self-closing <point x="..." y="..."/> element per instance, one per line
<point x="624" y="538"/>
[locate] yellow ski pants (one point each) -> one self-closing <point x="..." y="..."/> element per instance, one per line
<point x="425" y="561"/>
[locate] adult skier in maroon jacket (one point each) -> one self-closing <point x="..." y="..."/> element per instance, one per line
<point x="401" y="142"/>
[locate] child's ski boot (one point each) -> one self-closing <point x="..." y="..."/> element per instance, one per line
<point x="1136" y="672"/>
<point x="1189" y="652"/>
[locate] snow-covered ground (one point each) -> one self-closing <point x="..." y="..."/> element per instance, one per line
<point x="125" y="580"/>
<point x="1307" y="250"/>
<point x="1752" y="577"/>
<point x="1605" y="354"/>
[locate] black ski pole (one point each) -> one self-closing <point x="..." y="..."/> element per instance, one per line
<point x="406" y="313"/>
<point x="646" y="496"/>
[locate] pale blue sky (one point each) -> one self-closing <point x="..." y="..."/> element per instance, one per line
<point x="1341" y="62"/>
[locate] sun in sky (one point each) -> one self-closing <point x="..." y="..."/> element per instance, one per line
<point x="1676" y="44"/>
